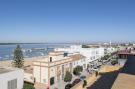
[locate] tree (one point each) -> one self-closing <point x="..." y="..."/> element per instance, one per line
<point x="85" y="46"/>
<point x="77" y="70"/>
<point x="18" y="60"/>
<point x="114" y="62"/>
<point x="28" y="86"/>
<point x="68" y="77"/>
<point x="105" y="57"/>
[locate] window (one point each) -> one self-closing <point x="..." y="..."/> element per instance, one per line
<point x="91" y="58"/>
<point x="50" y="59"/>
<point x="65" y="54"/>
<point x="12" y="84"/>
<point x="97" y="52"/>
<point x="44" y="80"/>
<point x="52" y="80"/>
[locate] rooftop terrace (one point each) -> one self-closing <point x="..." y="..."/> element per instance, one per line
<point x="126" y="78"/>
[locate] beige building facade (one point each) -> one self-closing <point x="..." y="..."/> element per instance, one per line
<point x="54" y="66"/>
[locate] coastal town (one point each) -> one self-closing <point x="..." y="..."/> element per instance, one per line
<point x="85" y="64"/>
<point x="67" y="44"/>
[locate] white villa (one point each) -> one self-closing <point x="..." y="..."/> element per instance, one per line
<point x="11" y="78"/>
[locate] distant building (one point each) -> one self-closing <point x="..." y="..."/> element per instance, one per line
<point x="11" y="78"/>
<point x="93" y="53"/>
<point x="90" y="53"/>
<point x="125" y="53"/>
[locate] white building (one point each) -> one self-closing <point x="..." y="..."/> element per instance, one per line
<point x="91" y="54"/>
<point x="11" y="78"/>
<point x="110" y="50"/>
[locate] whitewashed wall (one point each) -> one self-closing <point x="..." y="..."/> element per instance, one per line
<point x="5" y="77"/>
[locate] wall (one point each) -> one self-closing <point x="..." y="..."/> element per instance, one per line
<point x="28" y="77"/>
<point x="44" y="75"/>
<point x="36" y="73"/>
<point x="5" y="77"/>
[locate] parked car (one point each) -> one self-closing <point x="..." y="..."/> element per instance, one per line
<point x="68" y="86"/>
<point x="76" y="81"/>
<point x="95" y="69"/>
<point x="82" y="77"/>
<point x="98" y="66"/>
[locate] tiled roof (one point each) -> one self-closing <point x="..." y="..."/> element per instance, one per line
<point x="77" y="57"/>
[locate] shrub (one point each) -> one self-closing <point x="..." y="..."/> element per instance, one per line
<point x="85" y="46"/>
<point x="114" y="62"/>
<point x="68" y="77"/>
<point x="77" y="70"/>
<point x="28" y="86"/>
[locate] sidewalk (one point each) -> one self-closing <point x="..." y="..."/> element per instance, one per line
<point x="61" y="84"/>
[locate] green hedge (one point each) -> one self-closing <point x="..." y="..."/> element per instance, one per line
<point x="28" y="86"/>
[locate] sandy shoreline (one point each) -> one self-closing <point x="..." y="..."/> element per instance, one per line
<point x="27" y="62"/>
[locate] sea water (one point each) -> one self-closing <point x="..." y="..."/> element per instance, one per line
<point x="29" y="50"/>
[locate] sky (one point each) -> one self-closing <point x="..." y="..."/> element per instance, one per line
<point x="67" y="21"/>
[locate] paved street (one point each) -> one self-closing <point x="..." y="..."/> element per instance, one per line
<point x="61" y="84"/>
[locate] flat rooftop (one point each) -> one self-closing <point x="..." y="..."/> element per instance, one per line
<point x="124" y="81"/>
<point x="5" y="70"/>
<point x="129" y="67"/>
<point x="126" y="78"/>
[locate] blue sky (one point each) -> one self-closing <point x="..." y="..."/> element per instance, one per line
<point x="67" y="20"/>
